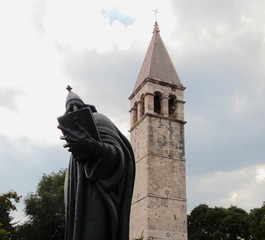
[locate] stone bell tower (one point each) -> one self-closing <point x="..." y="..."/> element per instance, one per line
<point x="159" y="205"/>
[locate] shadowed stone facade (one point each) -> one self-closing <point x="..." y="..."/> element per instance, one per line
<point x="157" y="135"/>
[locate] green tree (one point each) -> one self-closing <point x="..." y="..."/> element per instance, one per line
<point x="257" y="222"/>
<point x="45" y="209"/>
<point x="235" y="225"/>
<point x="218" y="223"/>
<point x="7" y="205"/>
<point x="204" y="222"/>
<point x="24" y="232"/>
<point x="3" y="232"/>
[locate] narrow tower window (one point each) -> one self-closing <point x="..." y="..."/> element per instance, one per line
<point x="134" y="113"/>
<point x="157" y="102"/>
<point x="142" y="107"/>
<point x="172" y="106"/>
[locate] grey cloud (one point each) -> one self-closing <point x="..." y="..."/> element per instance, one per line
<point x="23" y="162"/>
<point x="208" y="13"/>
<point x="215" y="69"/>
<point x="238" y="187"/>
<point x="105" y="80"/>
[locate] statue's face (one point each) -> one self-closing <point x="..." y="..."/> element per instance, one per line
<point x="74" y="105"/>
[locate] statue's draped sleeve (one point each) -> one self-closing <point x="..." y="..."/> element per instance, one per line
<point x="105" y="181"/>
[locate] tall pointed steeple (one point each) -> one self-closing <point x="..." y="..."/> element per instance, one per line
<point x="157" y="63"/>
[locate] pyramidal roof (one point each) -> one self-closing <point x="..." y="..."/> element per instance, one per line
<point x="157" y="63"/>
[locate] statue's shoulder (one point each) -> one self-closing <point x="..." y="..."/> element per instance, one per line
<point x="102" y="120"/>
<point x="100" y="117"/>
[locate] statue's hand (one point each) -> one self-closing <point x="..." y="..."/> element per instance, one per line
<point x="80" y="143"/>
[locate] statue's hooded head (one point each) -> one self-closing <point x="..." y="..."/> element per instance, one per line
<point x="74" y="102"/>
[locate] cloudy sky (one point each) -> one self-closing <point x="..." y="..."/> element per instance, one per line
<point x="218" y="48"/>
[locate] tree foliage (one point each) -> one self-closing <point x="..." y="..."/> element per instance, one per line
<point x="45" y="212"/>
<point x="45" y="209"/>
<point x="7" y="205"/>
<point x="257" y="222"/>
<point x="218" y="223"/>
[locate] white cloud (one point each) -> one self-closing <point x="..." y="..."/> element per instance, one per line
<point x="260" y="174"/>
<point x="82" y="25"/>
<point x="241" y="187"/>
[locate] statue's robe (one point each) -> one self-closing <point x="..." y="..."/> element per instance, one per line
<point x="98" y="190"/>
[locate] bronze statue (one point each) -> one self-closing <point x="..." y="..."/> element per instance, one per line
<point x="100" y="177"/>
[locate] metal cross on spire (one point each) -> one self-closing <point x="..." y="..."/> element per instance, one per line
<point x="156" y="13"/>
<point x="69" y="88"/>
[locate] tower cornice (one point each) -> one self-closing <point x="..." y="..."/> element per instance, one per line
<point x="154" y="115"/>
<point x="159" y="82"/>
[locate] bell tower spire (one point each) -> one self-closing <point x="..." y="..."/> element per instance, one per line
<point x="159" y="205"/>
<point x="157" y="64"/>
